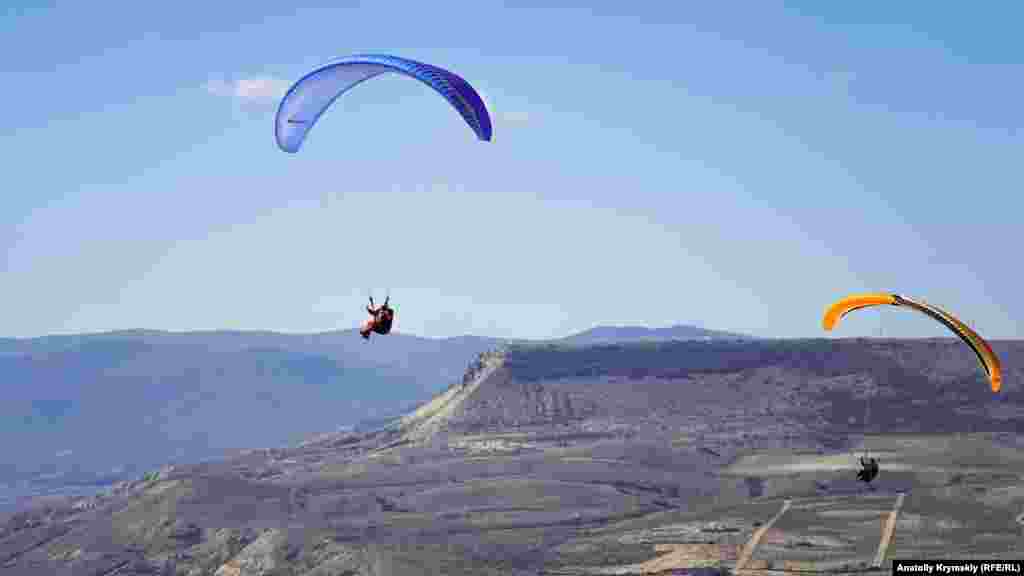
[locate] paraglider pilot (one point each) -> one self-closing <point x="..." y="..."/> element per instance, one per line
<point x="380" y="319"/>
<point x="869" y="469"/>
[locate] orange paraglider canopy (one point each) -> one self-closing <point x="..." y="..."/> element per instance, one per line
<point x="981" y="348"/>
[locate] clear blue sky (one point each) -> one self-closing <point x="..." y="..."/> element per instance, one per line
<point x="732" y="165"/>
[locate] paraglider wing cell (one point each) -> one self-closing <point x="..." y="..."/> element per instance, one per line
<point x="981" y="348"/>
<point x="308" y="98"/>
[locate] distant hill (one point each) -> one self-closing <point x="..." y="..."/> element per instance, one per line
<point x="91" y="403"/>
<point x="616" y="334"/>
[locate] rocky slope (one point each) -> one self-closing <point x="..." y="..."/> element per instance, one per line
<point x="553" y="459"/>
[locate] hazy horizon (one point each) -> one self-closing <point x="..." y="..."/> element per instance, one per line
<point x="866" y="334"/>
<point x="656" y="165"/>
<point x="338" y="330"/>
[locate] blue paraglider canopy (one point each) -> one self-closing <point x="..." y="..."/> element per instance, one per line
<point x="308" y="98"/>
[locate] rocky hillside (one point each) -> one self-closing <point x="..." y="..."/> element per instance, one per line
<point x="578" y="460"/>
<point x="774" y="391"/>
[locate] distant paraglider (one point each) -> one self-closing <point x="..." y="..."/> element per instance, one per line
<point x="312" y="94"/>
<point x="989" y="360"/>
<point x="868" y="471"/>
